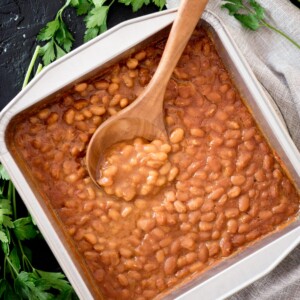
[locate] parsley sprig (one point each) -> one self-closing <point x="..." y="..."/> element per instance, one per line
<point x="252" y="16"/>
<point x="58" y="37"/>
<point x="96" y="12"/>
<point x="19" y="279"/>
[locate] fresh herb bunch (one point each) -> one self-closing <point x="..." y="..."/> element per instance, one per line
<point x="252" y="16"/>
<point x="20" y="280"/>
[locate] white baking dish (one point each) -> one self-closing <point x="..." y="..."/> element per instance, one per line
<point x="233" y="273"/>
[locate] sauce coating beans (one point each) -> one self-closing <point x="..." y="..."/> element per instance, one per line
<point x="219" y="184"/>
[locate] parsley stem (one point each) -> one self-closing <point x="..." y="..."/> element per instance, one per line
<point x="4" y="268"/>
<point x="11" y="266"/>
<point x="281" y="33"/>
<point x="14" y="200"/>
<point x="111" y="3"/>
<point x="39" y="69"/>
<point x="11" y="195"/>
<point x="31" y="65"/>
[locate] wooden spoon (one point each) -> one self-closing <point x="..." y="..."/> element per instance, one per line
<point x="144" y="117"/>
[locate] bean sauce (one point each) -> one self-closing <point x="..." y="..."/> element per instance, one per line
<point x="221" y="186"/>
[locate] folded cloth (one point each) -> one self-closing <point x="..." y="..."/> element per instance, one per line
<point x="276" y="63"/>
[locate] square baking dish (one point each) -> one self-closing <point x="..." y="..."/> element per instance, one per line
<point x="229" y="275"/>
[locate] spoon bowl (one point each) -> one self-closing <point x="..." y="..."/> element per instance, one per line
<point x="144" y="117"/>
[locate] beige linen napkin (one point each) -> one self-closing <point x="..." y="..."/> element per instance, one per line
<point x="276" y="64"/>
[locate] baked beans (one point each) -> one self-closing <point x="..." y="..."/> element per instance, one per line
<point x="188" y="204"/>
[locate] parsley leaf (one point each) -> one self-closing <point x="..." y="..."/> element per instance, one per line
<point x="64" y="37"/>
<point x="3" y="174"/>
<point x="3" y="237"/>
<point x="98" y="3"/>
<point x="59" y="51"/>
<point x="135" y="4"/>
<point x="90" y="33"/>
<point x="48" y="31"/>
<point x="159" y="3"/>
<point x="259" y="10"/>
<point x="82" y="6"/>
<point x="52" y="280"/>
<point x="5" y="213"/>
<point x="47" y="52"/>
<point x="6" y="291"/>
<point x="232" y="8"/>
<point x="24" y="229"/>
<point x="251" y="15"/>
<point x="58" y="38"/>
<point x="14" y="258"/>
<point x="248" y="21"/>
<point x="96" y="16"/>
<point x="25" y="287"/>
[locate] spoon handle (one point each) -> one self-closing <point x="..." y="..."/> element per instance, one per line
<point x="187" y="18"/>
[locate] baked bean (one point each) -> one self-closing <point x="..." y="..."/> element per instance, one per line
<point x="234" y="192"/>
<point x="244" y="203"/>
<point x="281" y="208"/>
<point x="101" y="85"/>
<point x="80" y="87"/>
<point x="198" y="266"/>
<point x="165" y="242"/>
<point x="254" y="210"/>
<point x="195" y="203"/>
<point x="208" y="217"/>
<point x="221" y="115"/>
<point x="177" y="135"/>
<point x="214" y="97"/>
<point x="124" y="102"/>
<point x="173" y="173"/>
<point x="207" y="206"/>
<point x="265" y="214"/>
<point x="132" y="63"/>
<point x="243" y="160"/>
<point x="170" y="265"/>
<point x="180" y="207"/>
<point x="216" y="194"/>
<point x="188" y="243"/>
<point x="232" y="226"/>
<point x="122" y="279"/>
<point x="140" y="55"/>
<point x="146" y="224"/>
<point x="252" y="235"/>
<point x="226" y="246"/>
<point x="197" y="132"/>
<point x="52" y="118"/>
<point x="205" y="226"/>
<point x="277" y="174"/>
<point x="113" y="88"/>
<point x="260" y="175"/>
<point x="97" y="110"/>
<point x="231" y="212"/>
<point x="237" y="179"/>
